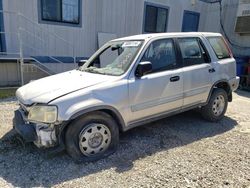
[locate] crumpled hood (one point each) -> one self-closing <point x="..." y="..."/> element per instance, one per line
<point x="49" y="88"/>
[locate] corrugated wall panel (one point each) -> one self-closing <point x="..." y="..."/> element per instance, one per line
<point x="122" y="17"/>
<point x="9" y="75"/>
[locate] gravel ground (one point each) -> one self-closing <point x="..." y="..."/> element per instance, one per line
<point x="180" y="151"/>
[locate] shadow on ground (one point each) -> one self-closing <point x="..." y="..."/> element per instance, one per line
<point x="243" y="93"/>
<point x="26" y="166"/>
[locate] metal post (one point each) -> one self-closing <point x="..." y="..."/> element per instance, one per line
<point x="21" y="54"/>
<point x="74" y="55"/>
<point x="75" y="61"/>
<point x="19" y="34"/>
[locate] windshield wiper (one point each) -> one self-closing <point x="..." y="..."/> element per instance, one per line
<point x="94" y="71"/>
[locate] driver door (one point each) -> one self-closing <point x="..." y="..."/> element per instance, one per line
<point x="160" y="91"/>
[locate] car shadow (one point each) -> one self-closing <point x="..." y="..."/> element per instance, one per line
<point x="26" y="166"/>
<point x="243" y="93"/>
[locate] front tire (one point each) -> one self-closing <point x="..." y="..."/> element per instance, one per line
<point x="217" y="106"/>
<point x="92" y="137"/>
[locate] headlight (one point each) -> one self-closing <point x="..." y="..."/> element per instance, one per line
<point x="45" y="114"/>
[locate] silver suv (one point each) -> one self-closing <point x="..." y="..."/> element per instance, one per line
<point x="128" y="82"/>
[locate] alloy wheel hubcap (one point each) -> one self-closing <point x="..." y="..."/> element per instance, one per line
<point x="94" y="139"/>
<point x="218" y="105"/>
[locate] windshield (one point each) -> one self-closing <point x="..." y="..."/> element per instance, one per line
<point x="115" y="59"/>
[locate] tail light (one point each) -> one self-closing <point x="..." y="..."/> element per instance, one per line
<point x="228" y="48"/>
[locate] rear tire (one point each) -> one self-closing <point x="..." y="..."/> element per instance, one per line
<point x="92" y="137"/>
<point x="216" y="108"/>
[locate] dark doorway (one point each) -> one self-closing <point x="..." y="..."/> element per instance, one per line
<point x="190" y="21"/>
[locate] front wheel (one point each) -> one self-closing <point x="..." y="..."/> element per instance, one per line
<point x="216" y="107"/>
<point x="92" y="137"/>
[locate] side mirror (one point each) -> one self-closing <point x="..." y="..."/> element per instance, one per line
<point x="143" y="68"/>
<point x="81" y="62"/>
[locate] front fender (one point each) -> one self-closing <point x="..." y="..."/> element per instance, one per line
<point x="75" y="109"/>
<point x="112" y="97"/>
<point x="70" y="112"/>
<point x="102" y="107"/>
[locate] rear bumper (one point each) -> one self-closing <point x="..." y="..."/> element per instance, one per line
<point x="234" y="83"/>
<point x="27" y="131"/>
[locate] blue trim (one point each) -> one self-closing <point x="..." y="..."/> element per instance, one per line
<point x="64" y="59"/>
<point x="41" y="21"/>
<point x="211" y="1"/>
<point x="158" y="6"/>
<point x="193" y="13"/>
<point x="2" y="36"/>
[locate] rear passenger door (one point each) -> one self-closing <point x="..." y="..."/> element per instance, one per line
<point x="197" y="71"/>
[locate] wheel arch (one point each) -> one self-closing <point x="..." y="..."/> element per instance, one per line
<point x="223" y="84"/>
<point x="103" y="108"/>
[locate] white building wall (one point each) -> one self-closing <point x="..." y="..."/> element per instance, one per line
<point x="229" y="16"/>
<point x="84" y="38"/>
<point x="122" y="17"/>
<point x="125" y="17"/>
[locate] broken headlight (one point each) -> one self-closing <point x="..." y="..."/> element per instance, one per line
<point x="43" y="114"/>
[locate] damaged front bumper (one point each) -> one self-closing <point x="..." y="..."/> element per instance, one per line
<point x="27" y="131"/>
<point x="42" y="135"/>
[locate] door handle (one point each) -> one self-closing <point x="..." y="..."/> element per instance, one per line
<point x="211" y="70"/>
<point x="174" y="79"/>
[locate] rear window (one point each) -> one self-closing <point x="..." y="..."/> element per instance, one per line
<point x="219" y="46"/>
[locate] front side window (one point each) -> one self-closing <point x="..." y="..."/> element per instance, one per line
<point x="161" y="54"/>
<point x="61" y="11"/>
<point x="192" y="51"/>
<point x="155" y="19"/>
<point x="115" y="59"/>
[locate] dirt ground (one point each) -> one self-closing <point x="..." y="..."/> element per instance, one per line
<point x="179" y="151"/>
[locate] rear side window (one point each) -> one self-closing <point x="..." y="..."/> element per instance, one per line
<point x="192" y="51"/>
<point x="219" y="46"/>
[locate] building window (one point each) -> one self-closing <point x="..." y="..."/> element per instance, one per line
<point x="156" y="19"/>
<point x="190" y="21"/>
<point x="67" y="11"/>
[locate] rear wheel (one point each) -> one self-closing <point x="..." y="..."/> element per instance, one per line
<point x="92" y="137"/>
<point x="216" y="107"/>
